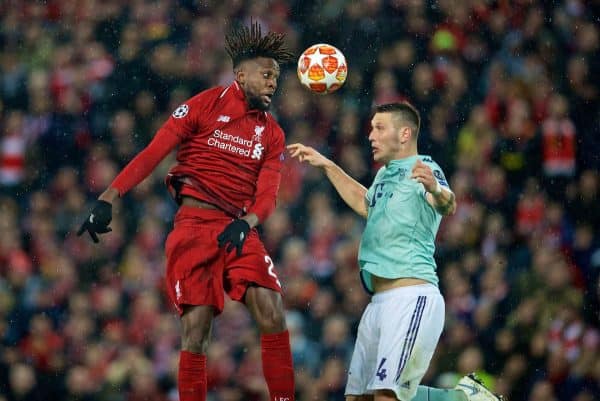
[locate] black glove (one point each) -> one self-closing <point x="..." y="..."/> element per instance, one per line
<point x="98" y="220"/>
<point x="235" y="234"/>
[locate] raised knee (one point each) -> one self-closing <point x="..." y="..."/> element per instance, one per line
<point x="195" y="341"/>
<point x="270" y="322"/>
<point x="196" y="322"/>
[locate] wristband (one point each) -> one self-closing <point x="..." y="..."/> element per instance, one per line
<point x="438" y="189"/>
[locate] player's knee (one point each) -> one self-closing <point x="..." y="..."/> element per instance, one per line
<point x="196" y="324"/>
<point x="271" y="321"/>
<point x="195" y="341"/>
<point x="266" y="307"/>
<point x="195" y="337"/>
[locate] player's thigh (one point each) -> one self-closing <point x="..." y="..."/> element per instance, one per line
<point x="385" y="395"/>
<point x="408" y="341"/>
<point x="364" y="397"/>
<point x="194" y="265"/>
<point x="364" y="357"/>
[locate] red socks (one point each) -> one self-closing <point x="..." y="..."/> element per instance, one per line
<point x="277" y="366"/>
<point x="191" y="379"/>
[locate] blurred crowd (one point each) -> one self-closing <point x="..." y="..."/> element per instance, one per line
<point x="510" y="111"/>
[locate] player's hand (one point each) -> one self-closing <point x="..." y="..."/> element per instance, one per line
<point x="235" y="235"/>
<point x="422" y="173"/>
<point x="98" y="220"/>
<point x="308" y="154"/>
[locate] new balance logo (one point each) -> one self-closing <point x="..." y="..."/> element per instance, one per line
<point x="223" y="118"/>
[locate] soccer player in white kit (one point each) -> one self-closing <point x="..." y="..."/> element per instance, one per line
<point x="404" y="205"/>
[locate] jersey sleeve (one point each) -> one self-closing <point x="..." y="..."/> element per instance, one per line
<point x="142" y="165"/>
<point x="438" y="173"/>
<point x="183" y="122"/>
<point x="269" y="177"/>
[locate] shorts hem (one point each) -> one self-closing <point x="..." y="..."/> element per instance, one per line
<point x="395" y="389"/>
<point x="237" y="295"/>
<point x="180" y="306"/>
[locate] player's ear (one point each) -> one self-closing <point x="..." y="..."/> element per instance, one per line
<point x="405" y="134"/>
<point x="240" y="75"/>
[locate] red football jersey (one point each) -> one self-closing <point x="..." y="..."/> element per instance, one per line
<point x="228" y="155"/>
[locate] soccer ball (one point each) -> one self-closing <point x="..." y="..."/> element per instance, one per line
<point x="322" y="68"/>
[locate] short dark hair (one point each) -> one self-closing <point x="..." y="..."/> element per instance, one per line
<point x="244" y="43"/>
<point x="405" y="112"/>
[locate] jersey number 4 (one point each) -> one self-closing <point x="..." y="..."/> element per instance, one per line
<point x="381" y="372"/>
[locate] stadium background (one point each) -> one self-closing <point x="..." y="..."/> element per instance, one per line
<point x="509" y="95"/>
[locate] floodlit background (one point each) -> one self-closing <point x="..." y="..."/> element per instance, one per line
<point x="509" y="94"/>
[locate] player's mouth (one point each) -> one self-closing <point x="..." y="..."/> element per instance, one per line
<point x="267" y="98"/>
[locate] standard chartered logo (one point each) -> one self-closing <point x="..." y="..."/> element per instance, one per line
<point x="257" y="152"/>
<point x="236" y="144"/>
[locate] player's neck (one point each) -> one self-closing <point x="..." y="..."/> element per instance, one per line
<point x="404" y="153"/>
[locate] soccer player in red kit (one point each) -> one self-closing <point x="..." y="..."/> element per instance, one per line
<point x="229" y="157"/>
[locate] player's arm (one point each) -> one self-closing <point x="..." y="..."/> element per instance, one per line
<point x="165" y="140"/>
<point x="269" y="177"/>
<point x="442" y="200"/>
<point x="136" y="170"/>
<point x="439" y="197"/>
<point x="351" y="191"/>
<point x="142" y="164"/>
<point x="235" y="233"/>
<point x="267" y="186"/>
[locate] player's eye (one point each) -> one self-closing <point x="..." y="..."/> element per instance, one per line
<point x="270" y="75"/>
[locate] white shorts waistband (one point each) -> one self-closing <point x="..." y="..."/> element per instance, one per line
<point x="408" y="291"/>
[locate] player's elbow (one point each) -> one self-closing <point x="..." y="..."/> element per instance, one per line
<point x="361" y="211"/>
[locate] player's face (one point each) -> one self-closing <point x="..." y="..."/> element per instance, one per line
<point x="258" y="78"/>
<point x="387" y="139"/>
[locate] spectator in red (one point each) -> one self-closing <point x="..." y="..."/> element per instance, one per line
<point x="559" y="138"/>
<point x="43" y="344"/>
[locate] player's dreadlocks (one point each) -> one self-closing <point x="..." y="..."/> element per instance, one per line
<point x="243" y="43"/>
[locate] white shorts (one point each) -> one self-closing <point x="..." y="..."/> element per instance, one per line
<point x="397" y="336"/>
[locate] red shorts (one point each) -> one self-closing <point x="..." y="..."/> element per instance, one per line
<point x="199" y="272"/>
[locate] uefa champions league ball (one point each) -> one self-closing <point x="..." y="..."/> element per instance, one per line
<point x="322" y="68"/>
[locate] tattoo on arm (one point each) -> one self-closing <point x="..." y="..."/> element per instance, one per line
<point x="446" y="207"/>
